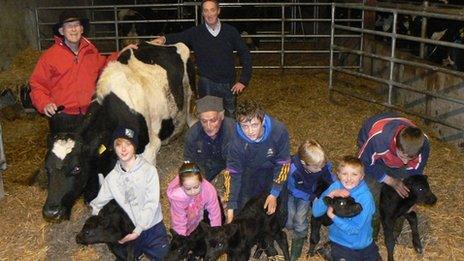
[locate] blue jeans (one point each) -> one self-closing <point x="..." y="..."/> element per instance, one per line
<point x="153" y="242"/>
<point x="222" y="90"/>
<point x="297" y="216"/>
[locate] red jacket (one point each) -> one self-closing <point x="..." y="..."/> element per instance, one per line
<point x="67" y="79"/>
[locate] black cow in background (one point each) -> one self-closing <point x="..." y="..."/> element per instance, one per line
<point x="148" y="91"/>
<point x="110" y="225"/>
<point x="392" y="206"/>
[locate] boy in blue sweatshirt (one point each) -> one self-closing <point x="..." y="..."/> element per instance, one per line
<point x="309" y="166"/>
<point x="351" y="238"/>
<point x="258" y="159"/>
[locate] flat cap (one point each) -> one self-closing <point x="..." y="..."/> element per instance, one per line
<point x="209" y="103"/>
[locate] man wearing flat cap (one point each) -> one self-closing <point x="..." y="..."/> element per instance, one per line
<point x="206" y="141"/>
<point x="65" y="76"/>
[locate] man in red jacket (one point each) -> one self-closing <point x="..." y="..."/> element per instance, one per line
<point x="66" y="73"/>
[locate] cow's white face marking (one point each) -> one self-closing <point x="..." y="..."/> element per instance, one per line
<point x="61" y="148"/>
<point x="438" y="35"/>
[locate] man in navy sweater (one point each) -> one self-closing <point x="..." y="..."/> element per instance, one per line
<point x="206" y="141"/>
<point x="214" y="44"/>
<point x="258" y="160"/>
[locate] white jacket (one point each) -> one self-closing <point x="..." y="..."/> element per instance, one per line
<point x="136" y="191"/>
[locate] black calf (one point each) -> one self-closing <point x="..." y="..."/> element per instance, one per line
<point x="392" y="206"/>
<point x="111" y="225"/>
<point x="192" y="247"/>
<point x="343" y="207"/>
<point x="250" y="227"/>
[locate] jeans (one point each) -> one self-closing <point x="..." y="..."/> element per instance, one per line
<point x="297" y="216"/>
<point x="369" y="253"/>
<point x="222" y="90"/>
<point x="153" y="242"/>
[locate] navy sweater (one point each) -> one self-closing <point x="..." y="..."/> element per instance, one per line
<point x="214" y="55"/>
<point x="209" y="154"/>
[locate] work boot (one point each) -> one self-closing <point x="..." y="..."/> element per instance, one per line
<point x="297" y="246"/>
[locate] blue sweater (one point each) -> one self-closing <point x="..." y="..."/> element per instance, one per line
<point x="209" y="154"/>
<point x="377" y="141"/>
<point x="303" y="184"/>
<point x="256" y="167"/>
<point x="214" y="55"/>
<point x="356" y="232"/>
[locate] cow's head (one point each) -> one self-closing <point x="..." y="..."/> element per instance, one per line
<point x="67" y="174"/>
<point x="344" y="206"/>
<point x="111" y="225"/>
<point x="217" y="239"/>
<point x="419" y="189"/>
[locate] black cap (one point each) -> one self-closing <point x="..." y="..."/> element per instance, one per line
<point x="126" y="133"/>
<point x="70" y="16"/>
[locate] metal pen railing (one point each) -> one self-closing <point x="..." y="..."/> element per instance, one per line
<point x="282" y="37"/>
<point x="392" y="60"/>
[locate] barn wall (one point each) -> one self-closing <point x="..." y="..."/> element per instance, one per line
<point x="422" y="79"/>
<point x="17" y="30"/>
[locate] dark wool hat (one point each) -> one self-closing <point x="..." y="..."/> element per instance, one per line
<point x="126" y="133"/>
<point x="209" y="103"/>
<point x="70" y="16"/>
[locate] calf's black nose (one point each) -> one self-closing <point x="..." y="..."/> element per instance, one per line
<point x="52" y="213"/>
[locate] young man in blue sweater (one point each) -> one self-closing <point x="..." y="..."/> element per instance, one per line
<point x="258" y="160"/>
<point x="391" y="148"/>
<point x="214" y="44"/>
<point x="350" y="238"/>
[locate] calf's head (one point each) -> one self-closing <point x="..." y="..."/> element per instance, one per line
<point x="109" y="226"/>
<point x="419" y="189"/>
<point x="217" y="239"/>
<point x="179" y="247"/>
<point x="344" y="207"/>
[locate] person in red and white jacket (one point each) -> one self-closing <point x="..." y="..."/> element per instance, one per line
<point x="392" y="148"/>
<point x="65" y="76"/>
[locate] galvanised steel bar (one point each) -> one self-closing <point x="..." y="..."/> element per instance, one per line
<point x="392" y="56"/>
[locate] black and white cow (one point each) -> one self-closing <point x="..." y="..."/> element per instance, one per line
<point x="147" y="90"/>
<point x="392" y="206"/>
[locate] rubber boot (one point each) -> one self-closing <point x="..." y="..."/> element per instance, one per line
<point x="297" y="246"/>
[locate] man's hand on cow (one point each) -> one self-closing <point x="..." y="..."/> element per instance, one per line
<point x="398" y="185"/>
<point x="270" y="204"/>
<point x="230" y="216"/>
<point x="237" y="88"/>
<point x="339" y="193"/>
<point x="159" y="40"/>
<point x="128" y="237"/>
<point x="50" y="109"/>
<point x="127" y="47"/>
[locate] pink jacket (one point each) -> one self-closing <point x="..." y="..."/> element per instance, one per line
<point x="187" y="211"/>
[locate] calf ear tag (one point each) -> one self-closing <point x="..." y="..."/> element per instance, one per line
<point x="101" y="149"/>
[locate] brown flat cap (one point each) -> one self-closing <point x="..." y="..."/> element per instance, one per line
<point x="209" y="103"/>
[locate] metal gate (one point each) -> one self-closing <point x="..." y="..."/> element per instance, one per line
<point x="291" y="35"/>
<point x="397" y="64"/>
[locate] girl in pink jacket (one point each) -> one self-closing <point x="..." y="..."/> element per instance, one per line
<point x="189" y="195"/>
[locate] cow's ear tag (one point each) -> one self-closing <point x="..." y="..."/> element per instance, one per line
<point x="101" y="149"/>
